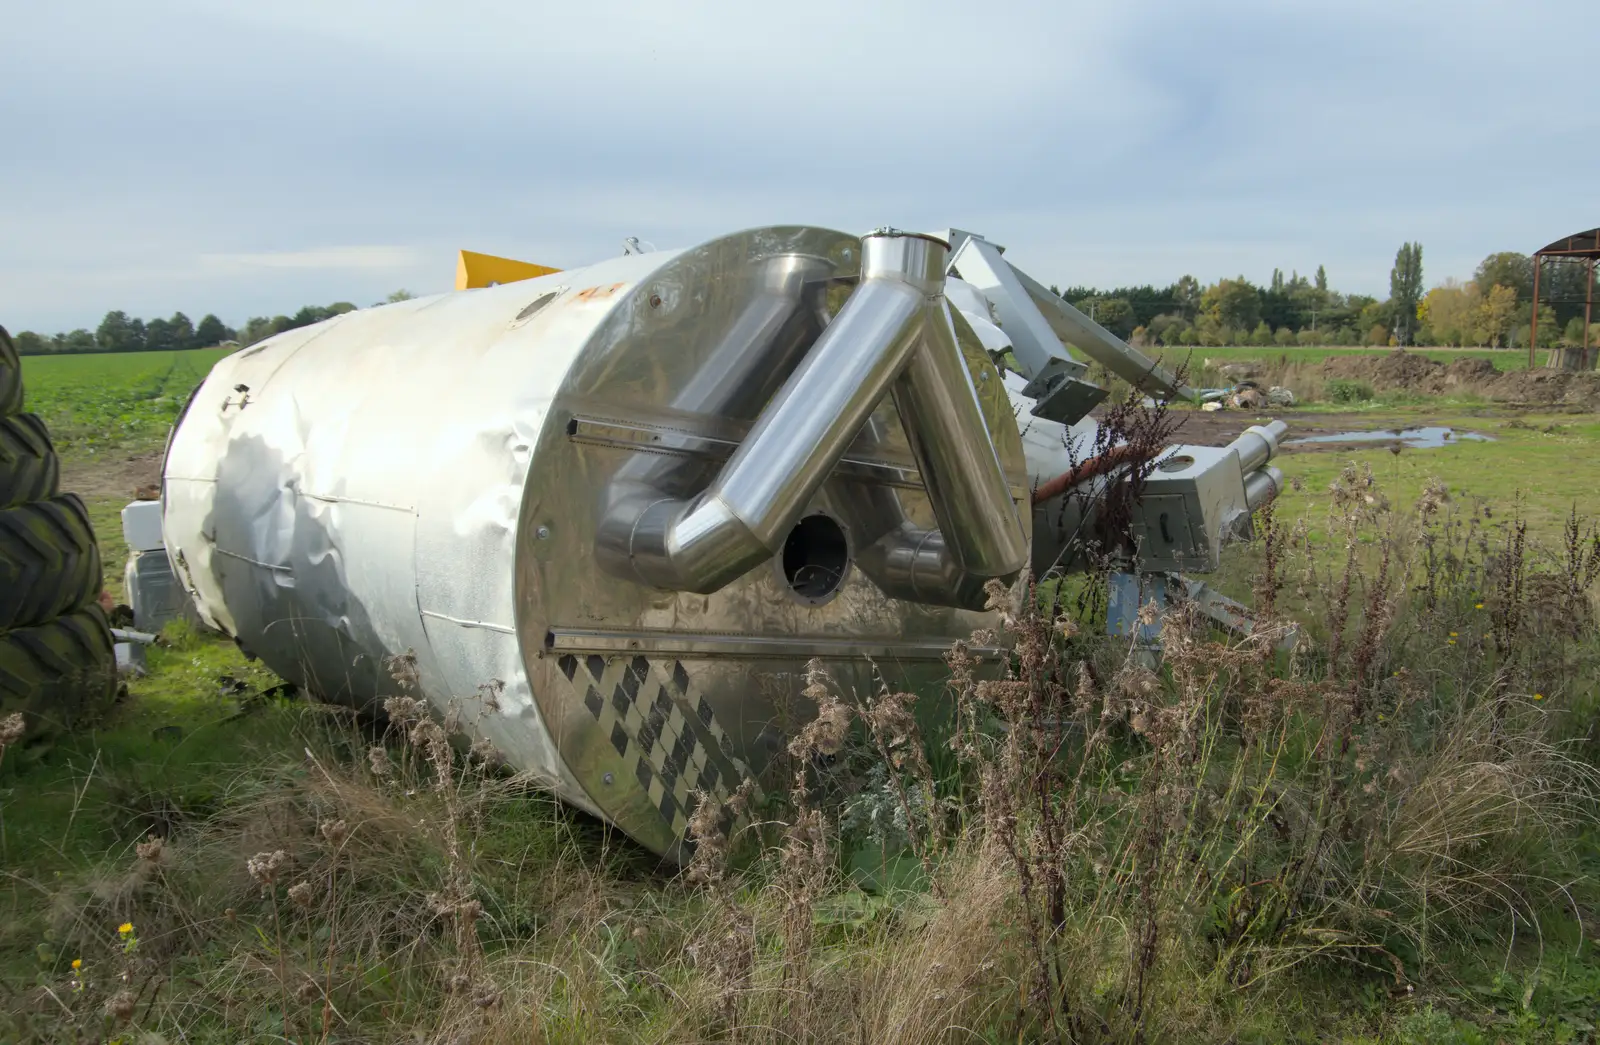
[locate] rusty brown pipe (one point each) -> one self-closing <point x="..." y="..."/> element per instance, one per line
<point x="1088" y="469"/>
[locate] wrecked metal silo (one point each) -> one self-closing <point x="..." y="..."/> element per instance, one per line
<point x="614" y="511"/>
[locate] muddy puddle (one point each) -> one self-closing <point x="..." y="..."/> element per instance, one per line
<point x="1422" y="438"/>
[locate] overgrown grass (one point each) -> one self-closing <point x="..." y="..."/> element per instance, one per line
<point x="1385" y="834"/>
<point x="1535" y="465"/>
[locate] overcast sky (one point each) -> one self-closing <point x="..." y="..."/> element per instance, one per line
<point x="248" y="158"/>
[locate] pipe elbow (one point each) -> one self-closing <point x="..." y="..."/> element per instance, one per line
<point x="917" y="565"/>
<point x="696" y="546"/>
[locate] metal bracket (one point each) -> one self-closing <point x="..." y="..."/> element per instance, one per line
<point x="1058" y="396"/>
<point x="1098" y="343"/>
<point x="1037" y="349"/>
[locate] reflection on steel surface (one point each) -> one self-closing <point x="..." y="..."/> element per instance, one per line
<point x="893" y="331"/>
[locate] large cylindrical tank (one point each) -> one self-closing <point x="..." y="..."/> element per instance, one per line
<point x="432" y="477"/>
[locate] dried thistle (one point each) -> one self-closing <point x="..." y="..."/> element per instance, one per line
<point x="484" y="752"/>
<point x="11" y="728"/>
<point x="150" y="849"/>
<point x="1435" y="495"/>
<point x="403" y="669"/>
<point x="378" y="760"/>
<point x="709" y="863"/>
<point x="824" y="735"/>
<point x="302" y="895"/>
<point x="430" y="738"/>
<point x="120" y="1006"/>
<point x="403" y="711"/>
<point x="334" y="832"/>
<point x="264" y="867"/>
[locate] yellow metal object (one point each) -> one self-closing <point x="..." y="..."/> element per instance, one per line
<point x="486" y="270"/>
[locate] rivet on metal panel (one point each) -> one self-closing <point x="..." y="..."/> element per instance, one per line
<point x="609" y="779"/>
<point x="655" y="300"/>
<point x="543" y="533"/>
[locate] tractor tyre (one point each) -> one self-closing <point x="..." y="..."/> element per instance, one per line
<point x="29" y="468"/>
<point x="60" y="674"/>
<point x="49" y="562"/>
<point x="10" y="376"/>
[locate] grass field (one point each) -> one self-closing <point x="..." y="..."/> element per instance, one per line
<point x="1546" y="464"/>
<point x="1503" y="359"/>
<point x="1397" y="848"/>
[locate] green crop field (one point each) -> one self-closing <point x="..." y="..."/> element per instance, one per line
<point x="116" y="400"/>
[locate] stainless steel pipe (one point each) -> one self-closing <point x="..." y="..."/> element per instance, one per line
<point x="702" y="544"/>
<point x="759" y="350"/>
<point x="1258" y="444"/>
<point x="978" y="523"/>
<point x="892" y="333"/>
<point x="1262" y="486"/>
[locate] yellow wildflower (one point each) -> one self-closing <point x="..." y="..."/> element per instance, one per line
<point x="1452" y="634"/>
<point x="77" y="963"/>
<point x="125" y="928"/>
<point x="1538" y="696"/>
<point x="1478" y="606"/>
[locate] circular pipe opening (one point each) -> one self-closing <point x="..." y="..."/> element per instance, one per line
<point x="815" y="559"/>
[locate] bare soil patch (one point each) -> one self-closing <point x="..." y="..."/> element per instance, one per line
<point x="118" y="474"/>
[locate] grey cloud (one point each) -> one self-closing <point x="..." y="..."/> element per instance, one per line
<point x="1102" y="143"/>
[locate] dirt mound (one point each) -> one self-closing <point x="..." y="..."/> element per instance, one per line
<point x="1397" y="370"/>
<point x="1544" y="387"/>
<point x="1407" y="372"/>
<point x="1469" y="372"/>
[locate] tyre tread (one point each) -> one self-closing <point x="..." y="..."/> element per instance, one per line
<point x="10" y="376"/>
<point x="59" y="672"/>
<point x="29" y="467"/>
<point x="49" y="562"/>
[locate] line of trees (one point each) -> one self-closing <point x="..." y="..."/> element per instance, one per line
<point x="1493" y="309"/>
<point x="118" y="332"/>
